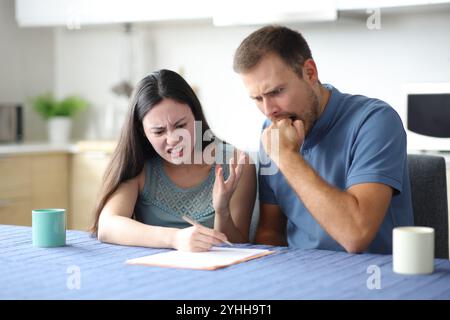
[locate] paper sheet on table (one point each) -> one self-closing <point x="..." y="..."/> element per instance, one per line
<point x="217" y="257"/>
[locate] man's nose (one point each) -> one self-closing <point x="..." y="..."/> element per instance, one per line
<point x="270" y="109"/>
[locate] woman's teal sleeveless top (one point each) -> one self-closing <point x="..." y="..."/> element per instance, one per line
<point x="162" y="203"/>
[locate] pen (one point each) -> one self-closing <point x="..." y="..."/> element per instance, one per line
<point x="194" y="223"/>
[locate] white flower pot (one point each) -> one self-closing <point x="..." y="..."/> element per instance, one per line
<point x="58" y="129"/>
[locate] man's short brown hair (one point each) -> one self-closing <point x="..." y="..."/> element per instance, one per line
<point x="288" y="44"/>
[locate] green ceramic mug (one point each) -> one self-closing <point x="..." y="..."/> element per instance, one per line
<point x="49" y="227"/>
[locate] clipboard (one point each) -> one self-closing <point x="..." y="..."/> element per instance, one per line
<point x="216" y="258"/>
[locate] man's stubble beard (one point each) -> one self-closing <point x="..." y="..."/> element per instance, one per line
<point x="312" y="114"/>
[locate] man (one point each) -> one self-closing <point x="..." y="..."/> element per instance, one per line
<point x="342" y="182"/>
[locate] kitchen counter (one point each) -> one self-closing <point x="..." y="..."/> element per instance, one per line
<point x="44" y="147"/>
<point x="36" y="147"/>
<point x="106" y="146"/>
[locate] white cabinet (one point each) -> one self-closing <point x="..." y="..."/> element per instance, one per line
<point x="367" y="4"/>
<point x="73" y="13"/>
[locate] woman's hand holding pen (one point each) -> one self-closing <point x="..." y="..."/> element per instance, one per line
<point x="201" y="238"/>
<point x="223" y="190"/>
<point x="197" y="238"/>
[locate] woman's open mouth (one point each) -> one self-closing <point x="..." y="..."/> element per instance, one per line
<point x="176" y="152"/>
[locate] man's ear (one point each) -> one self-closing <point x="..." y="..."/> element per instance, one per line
<point x="310" y="71"/>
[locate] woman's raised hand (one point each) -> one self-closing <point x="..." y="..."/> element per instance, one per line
<point x="223" y="190"/>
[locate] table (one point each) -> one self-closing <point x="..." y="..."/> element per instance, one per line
<point x="88" y="269"/>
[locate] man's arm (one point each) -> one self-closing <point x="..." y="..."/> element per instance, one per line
<point x="351" y="217"/>
<point x="271" y="228"/>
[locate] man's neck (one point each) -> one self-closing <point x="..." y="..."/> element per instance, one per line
<point x="323" y="98"/>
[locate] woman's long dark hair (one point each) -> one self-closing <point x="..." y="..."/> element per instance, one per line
<point x="133" y="148"/>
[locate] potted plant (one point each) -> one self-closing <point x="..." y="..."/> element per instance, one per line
<point x="58" y="114"/>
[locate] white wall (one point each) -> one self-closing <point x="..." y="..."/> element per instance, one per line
<point x="89" y="62"/>
<point x="26" y="66"/>
<point x="410" y="47"/>
<point x="205" y="54"/>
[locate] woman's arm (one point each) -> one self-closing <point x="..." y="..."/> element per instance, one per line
<point x="117" y="226"/>
<point x="234" y="219"/>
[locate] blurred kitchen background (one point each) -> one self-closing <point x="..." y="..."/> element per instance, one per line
<point x="99" y="49"/>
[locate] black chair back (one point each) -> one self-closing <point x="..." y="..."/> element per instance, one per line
<point x="429" y="197"/>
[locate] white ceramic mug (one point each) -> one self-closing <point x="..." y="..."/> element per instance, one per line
<point x="413" y="250"/>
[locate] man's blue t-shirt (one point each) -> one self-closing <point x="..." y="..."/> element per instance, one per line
<point x="355" y="140"/>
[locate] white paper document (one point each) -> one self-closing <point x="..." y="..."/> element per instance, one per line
<point x="217" y="257"/>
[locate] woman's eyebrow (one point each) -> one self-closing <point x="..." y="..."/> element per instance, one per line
<point x="180" y="120"/>
<point x="157" y="126"/>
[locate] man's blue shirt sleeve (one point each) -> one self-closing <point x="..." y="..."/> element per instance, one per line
<point x="379" y="151"/>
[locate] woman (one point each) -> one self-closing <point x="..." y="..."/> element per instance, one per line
<point x="151" y="181"/>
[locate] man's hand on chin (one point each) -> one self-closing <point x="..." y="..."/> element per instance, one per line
<point x="283" y="138"/>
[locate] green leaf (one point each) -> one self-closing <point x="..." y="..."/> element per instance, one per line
<point x="47" y="106"/>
